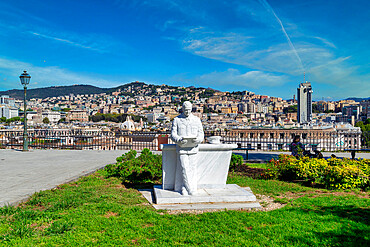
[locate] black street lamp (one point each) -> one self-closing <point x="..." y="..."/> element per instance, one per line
<point x="25" y="80"/>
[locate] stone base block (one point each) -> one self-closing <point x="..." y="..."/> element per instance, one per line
<point x="209" y="206"/>
<point x="230" y="193"/>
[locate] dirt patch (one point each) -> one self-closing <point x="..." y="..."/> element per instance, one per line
<point x="360" y="194"/>
<point x="41" y="227"/>
<point x="38" y="207"/>
<point x="248" y="171"/>
<point x="119" y="186"/>
<point x="291" y="195"/>
<point x="110" y="214"/>
<point x="268" y="203"/>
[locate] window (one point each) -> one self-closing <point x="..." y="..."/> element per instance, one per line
<point x="281" y="135"/>
<point x="259" y="146"/>
<point x="271" y="135"/>
<point x="262" y="135"/>
<point x="251" y="135"/>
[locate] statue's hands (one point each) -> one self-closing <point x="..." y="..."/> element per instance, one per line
<point x="183" y="142"/>
<point x="196" y="141"/>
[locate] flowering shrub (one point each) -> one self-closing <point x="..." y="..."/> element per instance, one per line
<point x="147" y="168"/>
<point x="332" y="173"/>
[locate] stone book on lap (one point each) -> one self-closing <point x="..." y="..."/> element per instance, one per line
<point x="190" y="141"/>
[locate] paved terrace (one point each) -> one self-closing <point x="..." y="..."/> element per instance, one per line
<point x="24" y="173"/>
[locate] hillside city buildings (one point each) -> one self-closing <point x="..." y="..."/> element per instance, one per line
<point x="240" y="114"/>
<point x="8" y="107"/>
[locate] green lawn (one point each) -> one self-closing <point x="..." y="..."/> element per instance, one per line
<point x="99" y="211"/>
<point x="257" y="165"/>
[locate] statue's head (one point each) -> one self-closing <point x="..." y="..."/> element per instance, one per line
<point x="186" y="108"/>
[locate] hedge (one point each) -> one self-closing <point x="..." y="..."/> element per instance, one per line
<point x="146" y="168"/>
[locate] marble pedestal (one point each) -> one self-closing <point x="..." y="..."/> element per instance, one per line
<point x="213" y="192"/>
<point x="213" y="161"/>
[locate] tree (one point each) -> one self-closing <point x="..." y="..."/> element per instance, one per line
<point x="63" y="119"/>
<point x="291" y="108"/>
<point x="315" y="108"/>
<point x="359" y="124"/>
<point x="364" y="127"/>
<point x="46" y="120"/>
<point x="13" y="119"/>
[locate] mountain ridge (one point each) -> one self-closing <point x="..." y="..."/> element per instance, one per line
<point x="55" y="91"/>
<point x="358" y="99"/>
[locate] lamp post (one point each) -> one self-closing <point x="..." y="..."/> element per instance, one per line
<point x="25" y="80"/>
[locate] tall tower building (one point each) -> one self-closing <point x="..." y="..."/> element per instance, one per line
<point x="304" y="95"/>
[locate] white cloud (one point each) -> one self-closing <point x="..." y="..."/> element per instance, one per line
<point x="95" y="42"/>
<point x="92" y="41"/>
<point x="326" y="42"/>
<point x="255" y="52"/>
<point x="320" y="62"/>
<point x="45" y="76"/>
<point x="344" y="79"/>
<point x="262" y="44"/>
<point x="64" y="41"/>
<point x="215" y="45"/>
<point x="251" y="79"/>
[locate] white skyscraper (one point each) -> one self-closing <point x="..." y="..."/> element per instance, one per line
<point x="304" y="93"/>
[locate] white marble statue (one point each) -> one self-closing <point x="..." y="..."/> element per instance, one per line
<point x="187" y="133"/>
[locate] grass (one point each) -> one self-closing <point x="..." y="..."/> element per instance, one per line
<point x="102" y="212"/>
<point x="257" y="165"/>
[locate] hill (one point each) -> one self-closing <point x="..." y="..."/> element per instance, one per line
<point x="54" y="91"/>
<point x="358" y="99"/>
<point x="78" y="89"/>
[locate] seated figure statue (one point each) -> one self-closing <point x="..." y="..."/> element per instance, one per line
<point x="187" y="133"/>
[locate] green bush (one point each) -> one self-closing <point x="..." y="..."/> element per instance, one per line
<point x="332" y="173"/>
<point x="146" y="168"/>
<point x="236" y="160"/>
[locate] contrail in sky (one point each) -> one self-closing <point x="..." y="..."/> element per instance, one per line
<point x="268" y="7"/>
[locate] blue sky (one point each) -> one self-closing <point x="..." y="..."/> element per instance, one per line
<point x="255" y="45"/>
